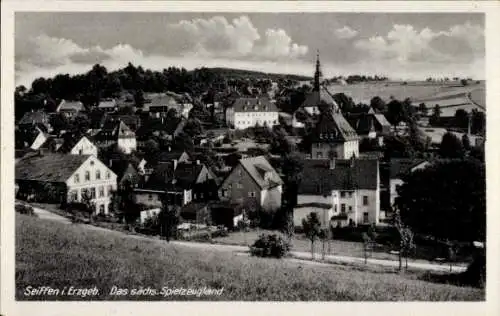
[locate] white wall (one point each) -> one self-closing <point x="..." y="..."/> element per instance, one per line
<point x="244" y="120"/>
<point x="86" y="147"/>
<point x="127" y="144"/>
<point x="38" y="142"/>
<point x="107" y="182"/>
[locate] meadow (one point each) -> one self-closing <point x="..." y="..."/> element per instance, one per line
<point x="62" y="255"/>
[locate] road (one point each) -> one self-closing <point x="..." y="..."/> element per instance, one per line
<point x="297" y="256"/>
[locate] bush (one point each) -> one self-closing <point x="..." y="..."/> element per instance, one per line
<point x="25" y="209"/>
<point x="268" y="245"/>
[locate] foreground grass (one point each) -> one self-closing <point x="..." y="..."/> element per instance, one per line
<point x="58" y="255"/>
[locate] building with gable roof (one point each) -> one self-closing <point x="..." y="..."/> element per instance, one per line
<point x="250" y="111"/>
<point x="341" y="191"/>
<point x="253" y="180"/>
<point x="69" y="176"/>
<point x="117" y="132"/>
<point x="333" y="135"/>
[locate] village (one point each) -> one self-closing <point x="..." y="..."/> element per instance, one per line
<point x="245" y="161"/>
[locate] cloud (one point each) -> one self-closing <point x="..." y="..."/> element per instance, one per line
<point x="404" y="44"/>
<point x="346" y="33"/>
<point x="239" y="38"/>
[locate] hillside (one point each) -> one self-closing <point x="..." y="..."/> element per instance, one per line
<point x="240" y="73"/>
<point x="59" y="255"/>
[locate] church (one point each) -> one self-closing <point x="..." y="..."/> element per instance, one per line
<point x="333" y="136"/>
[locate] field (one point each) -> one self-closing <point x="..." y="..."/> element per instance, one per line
<point x="58" y="255"/>
<point x="444" y="94"/>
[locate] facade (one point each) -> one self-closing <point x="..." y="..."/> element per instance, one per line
<point x="334" y="136"/>
<point x="249" y="112"/>
<point x="72" y="175"/>
<point x="342" y="192"/>
<point x="370" y="125"/>
<point x="253" y="181"/>
<point x="108" y="105"/>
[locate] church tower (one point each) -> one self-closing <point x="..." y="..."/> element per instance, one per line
<point x="318" y="76"/>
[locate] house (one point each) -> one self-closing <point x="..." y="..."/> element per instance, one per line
<point x="253" y="180"/>
<point x="70" y="108"/>
<point x="163" y="182"/>
<point x="132" y="121"/>
<point x="39" y="119"/>
<point x="68" y="176"/>
<point x="107" y="105"/>
<point x="159" y="104"/>
<point x="125" y="172"/>
<point x="341" y="191"/>
<point x="30" y="137"/>
<point x="172" y="157"/>
<point x="334" y="136"/>
<point x="117" y="132"/>
<point x="399" y="167"/>
<point x="370" y="125"/>
<point x="77" y="146"/>
<point x="248" y="112"/>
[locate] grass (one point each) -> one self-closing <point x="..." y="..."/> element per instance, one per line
<point x="301" y="243"/>
<point x="57" y="255"/>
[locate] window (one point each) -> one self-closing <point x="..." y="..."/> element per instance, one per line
<point x="87" y="175"/>
<point x="84" y="192"/>
<point x="251" y="194"/>
<point x="101" y="191"/>
<point x="73" y="195"/>
<point x="365" y="217"/>
<point x="365" y="200"/>
<point x="342" y="194"/>
<point x="150" y="197"/>
<point x="101" y="209"/>
<point x="108" y="175"/>
<point x="229" y="186"/>
<point x="350" y="194"/>
<point x="77" y="178"/>
<point x="319" y="154"/>
<point x="350" y="208"/>
<point x="92" y="193"/>
<point x="239" y="185"/>
<point x="342" y="208"/>
<point x="98" y="175"/>
<point x="91" y="162"/>
<point x="110" y="190"/>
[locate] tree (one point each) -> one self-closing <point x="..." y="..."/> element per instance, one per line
<point x="324" y="236"/>
<point x="169" y="218"/>
<point x="88" y="203"/>
<point x="422" y="108"/>
<point x="128" y="205"/>
<point x="311" y="226"/>
<point x="436" y="115"/>
<point x="366" y="246"/>
<point x="464" y="82"/>
<point x="406" y="239"/>
<point x="447" y="200"/>
<point x="378" y="104"/>
<point x="395" y="112"/>
<point x="451" y="146"/>
<point x="345" y="103"/>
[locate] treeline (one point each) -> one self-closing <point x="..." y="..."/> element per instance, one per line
<point x="356" y="78"/>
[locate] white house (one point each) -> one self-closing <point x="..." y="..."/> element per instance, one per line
<point x="249" y="112"/>
<point x="72" y="175"/>
<point x="342" y="192"/>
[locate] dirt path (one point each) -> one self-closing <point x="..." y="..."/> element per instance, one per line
<point x="298" y="256"/>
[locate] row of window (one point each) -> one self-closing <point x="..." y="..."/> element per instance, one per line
<point x="254" y="114"/>
<point x="87" y="176"/>
<point x="98" y="192"/>
<point x="227" y="193"/>
<point x="260" y="122"/>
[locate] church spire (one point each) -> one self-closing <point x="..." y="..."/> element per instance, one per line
<point x="317" y="74"/>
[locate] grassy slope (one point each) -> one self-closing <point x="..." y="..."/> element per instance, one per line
<point x="57" y="255"/>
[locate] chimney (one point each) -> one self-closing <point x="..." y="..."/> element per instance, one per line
<point x="197" y="161"/>
<point x="110" y="163"/>
<point x="169" y="148"/>
<point x="175" y="163"/>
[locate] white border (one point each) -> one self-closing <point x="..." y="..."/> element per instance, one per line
<point x="10" y="307"/>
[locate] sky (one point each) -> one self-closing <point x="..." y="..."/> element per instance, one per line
<point x="397" y="45"/>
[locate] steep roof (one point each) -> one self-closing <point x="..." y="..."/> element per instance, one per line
<point x="49" y="167"/>
<point x="348" y="174"/>
<point x="257" y="167"/>
<point x="254" y="105"/>
<point x="333" y="127"/>
<point x="165" y="177"/>
<point x="69" y="142"/>
<point x="38" y="117"/>
<point x="319" y="97"/>
<point x="75" y="106"/>
<point x="123" y="131"/>
<point x="402" y="166"/>
<point x="168" y="156"/>
<point x="120" y="167"/>
<point x="382" y="120"/>
<point x="110" y="103"/>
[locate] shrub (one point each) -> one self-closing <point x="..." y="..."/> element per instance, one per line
<point x="25" y="209"/>
<point x="270" y="245"/>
